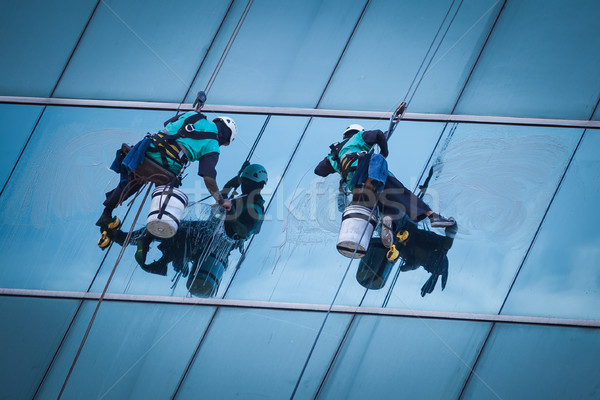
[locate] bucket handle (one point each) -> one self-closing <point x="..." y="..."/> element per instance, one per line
<point x="163" y="206"/>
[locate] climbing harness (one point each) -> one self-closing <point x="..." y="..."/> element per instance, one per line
<point x="166" y="144"/>
<point x="347" y="164"/>
<point x="168" y="148"/>
<point x="335" y="150"/>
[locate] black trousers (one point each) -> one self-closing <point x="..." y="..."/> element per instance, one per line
<point x="396" y="200"/>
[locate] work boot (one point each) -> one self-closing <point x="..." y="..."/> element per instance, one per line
<point x="437" y="221"/>
<point x="108" y="221"/>
<point x="387" y="231"/>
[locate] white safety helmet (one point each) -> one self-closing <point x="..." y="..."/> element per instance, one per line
<point x="352" y="129"/>
<point x="230" y="124"/>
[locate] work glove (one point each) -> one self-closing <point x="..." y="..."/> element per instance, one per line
<point x="384" y="152"/>
<point x="383" y="146"/>
<point x="437" y="265"/>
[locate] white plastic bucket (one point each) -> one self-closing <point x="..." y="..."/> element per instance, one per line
<point x="166" y="209"/>
<point x="357" y="228"/>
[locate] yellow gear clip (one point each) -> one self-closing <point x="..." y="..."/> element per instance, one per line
<point x="402" y="236"/>
<point x="392" y="254"/>
<point x="104" y="240"/>
<point x="114" y="224"/>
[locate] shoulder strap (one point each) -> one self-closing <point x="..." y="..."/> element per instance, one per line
<point x="335" y="150"/>
<point x="199" y="135"/>
<point x="188" y="124"/>
<point x="192" y="119"/>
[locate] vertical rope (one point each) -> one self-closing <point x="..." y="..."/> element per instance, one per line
<point x="438" y="46"/>
<point x="210" y="46"/>
<point x="228" y="46"/>
<point x="90" y="324"/>
<point x="428" y="50"/>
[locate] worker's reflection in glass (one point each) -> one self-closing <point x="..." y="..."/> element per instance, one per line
<point x="415" y="248"/>
<point x="206" y="235"/>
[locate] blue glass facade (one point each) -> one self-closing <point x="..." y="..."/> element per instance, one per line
<point x="518" y="317"/>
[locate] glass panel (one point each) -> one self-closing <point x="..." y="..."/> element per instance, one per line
<point x="260" y="354"/>
<point x="18" y="122"/>
<point x="58" y="189"/>
<point x="539" y="62"/>
<point x="55" y="194"/>
<point x="140" y="50"/>
<point x="389" y="46"/>
<point x="538" y="362"/>
<point x="294" y="258"/>
<point x="280" y="57"/>
<point x="385" y="357"/>
<point x="39" y="36"/>
<point x="497" y="182"/>
<point x="47" y="236"/>
<point x="31" y="331"/>
<point x="561" y="276"/>
<point x="134" y="351"/>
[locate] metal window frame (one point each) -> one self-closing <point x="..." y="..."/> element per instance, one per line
<point x="322" y="308"/>
<point x="303" y="112"/>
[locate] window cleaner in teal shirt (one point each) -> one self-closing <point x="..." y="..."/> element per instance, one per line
<point x="185" y="138"/>
<point x="352" y="156"/>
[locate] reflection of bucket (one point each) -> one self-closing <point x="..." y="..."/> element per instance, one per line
<point x="206" y="281"/>
<point x="357" y="227"/>
<point x="374" y="268"/>
<point x="166" y="209"/>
